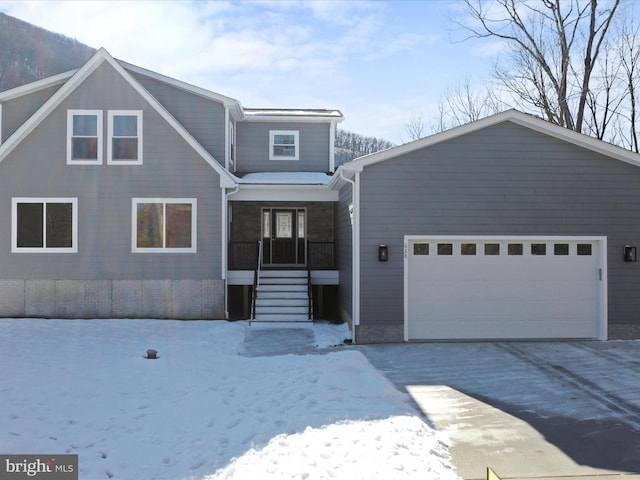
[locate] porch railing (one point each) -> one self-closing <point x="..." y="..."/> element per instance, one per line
<point x="256" y="279"/>
<point x="242" y="255"/>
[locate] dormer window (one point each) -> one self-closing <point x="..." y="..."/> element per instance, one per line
<point x="84" y="137"/>
<point x="284" y="145"/>
<point x="125" y="137"/>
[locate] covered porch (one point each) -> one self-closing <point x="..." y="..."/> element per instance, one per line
<point x="285" y="228"/>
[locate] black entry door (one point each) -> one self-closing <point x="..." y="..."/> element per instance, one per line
<point x="283" y="236"/>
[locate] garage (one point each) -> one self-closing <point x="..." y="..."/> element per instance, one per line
<point x="488" y="287"/>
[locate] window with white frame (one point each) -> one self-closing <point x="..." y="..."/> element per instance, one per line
<point x="44" y="225"/>
<point x="284" y="145"/>
<point x="164" y="225"/>
<point x="84" y="137"/>
<point x="125" y="137"/>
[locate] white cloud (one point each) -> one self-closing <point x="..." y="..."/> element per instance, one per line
<point x="361" y="57"/>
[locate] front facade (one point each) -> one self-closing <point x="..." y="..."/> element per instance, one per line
<point x="127" y="194"/>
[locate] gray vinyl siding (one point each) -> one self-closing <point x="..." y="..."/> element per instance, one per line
<point x="252" y="147"/>
<point x="202" y="117"/>
<point x="344" y="232"/>
<point x="37" y="168"/>
<point x="16" y="111"/>
<point x="503" y="180"/>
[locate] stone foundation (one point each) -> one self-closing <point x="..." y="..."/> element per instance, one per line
<point x="177" y="299"/>
<point x="388" y="333"/>
<point x="624" y="332"/>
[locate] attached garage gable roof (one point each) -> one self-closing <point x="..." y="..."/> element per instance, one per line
<point x="523" y="119"/>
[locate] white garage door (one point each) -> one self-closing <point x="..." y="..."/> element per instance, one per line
<point x="505" y="288"/>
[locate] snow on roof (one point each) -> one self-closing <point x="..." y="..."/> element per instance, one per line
<point x="285" y="178"/>
<point x="286" y="112"/>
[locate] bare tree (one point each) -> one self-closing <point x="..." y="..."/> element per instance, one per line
<point x="463" y="104"/>
<point x="629" y="52"/>
<point x="415" y="128"/>
<point x="554" y="47"/>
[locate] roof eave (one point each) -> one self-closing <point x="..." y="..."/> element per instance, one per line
<point x="514" y="116"/>
<point x="36" y="86"/>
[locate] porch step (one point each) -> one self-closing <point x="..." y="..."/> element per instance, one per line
<point x="301" y="301"/>
<point x="278" y="317"/>
<point x="282" y="287"/>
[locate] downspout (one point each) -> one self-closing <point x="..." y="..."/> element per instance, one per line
<point x="225" y="243"/>
<point x="355" y="251"/>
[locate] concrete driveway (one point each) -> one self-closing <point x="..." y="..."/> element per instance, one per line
<point x="528" y="410"/>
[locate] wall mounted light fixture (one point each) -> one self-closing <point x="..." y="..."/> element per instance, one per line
<point x="630" y="254"/>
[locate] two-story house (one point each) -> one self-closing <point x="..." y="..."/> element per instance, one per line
<point x="128" y="194"/>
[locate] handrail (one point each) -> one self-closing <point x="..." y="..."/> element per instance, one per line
<point x="310" y="293"/>
<point x="256" y="280"/>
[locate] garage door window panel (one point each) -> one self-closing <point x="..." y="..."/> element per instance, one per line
<point x="421" y="249"/>
<point x="561" y="249"/>
<point x="538" y="249"/>
<point x="468" y="249"/>
<point x="492" y="249"/>
<point x="584" y="249"/>
<point x="515" y="249"/>
<point x="445" y="249"/>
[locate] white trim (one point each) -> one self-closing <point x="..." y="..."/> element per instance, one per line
<point x="296" y="144"/>
<point x="227" y="136"/>
<point x="356" y="250"/>
<point x="44" y="200"/>
<point x="226" y="178"/>
<point x="165" y="200"/>
<point x="139" y="136"/>
<point x="602" y="266"/>
<point x="70" y="114"/>
<point x="36" y="86"/>
<point x="285" y="193"/>
<point x="332" y="146"/>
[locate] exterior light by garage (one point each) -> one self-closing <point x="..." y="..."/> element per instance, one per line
<point x="152" y="354"/>
<point x="383" y="253"/>
<point x="630" y="253"/>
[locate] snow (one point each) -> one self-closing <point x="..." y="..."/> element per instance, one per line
<point x="286" y="178"/>
<point x="202" y="410"/>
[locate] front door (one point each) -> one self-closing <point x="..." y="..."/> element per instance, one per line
<point x="283" y="236"/>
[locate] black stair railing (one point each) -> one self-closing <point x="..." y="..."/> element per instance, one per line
<point x="256" y="280"/>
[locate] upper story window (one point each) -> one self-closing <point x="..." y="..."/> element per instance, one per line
<point x="84" y="137"/>
<point x="284" y="145"/>
<point x="44" y="225"/>
<point x="125" y="137"/>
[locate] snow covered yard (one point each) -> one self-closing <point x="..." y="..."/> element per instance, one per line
<point x="202" y="410"/>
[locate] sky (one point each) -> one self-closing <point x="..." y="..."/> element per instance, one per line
<point x="381" y="63"/>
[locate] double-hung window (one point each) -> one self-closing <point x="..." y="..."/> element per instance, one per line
<point x="44" y="225"/>
<point x="84" y="137"/>
<point x="164" y="225"/>
<point x="284" y="145"/>
<point x="125" y="137"/>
